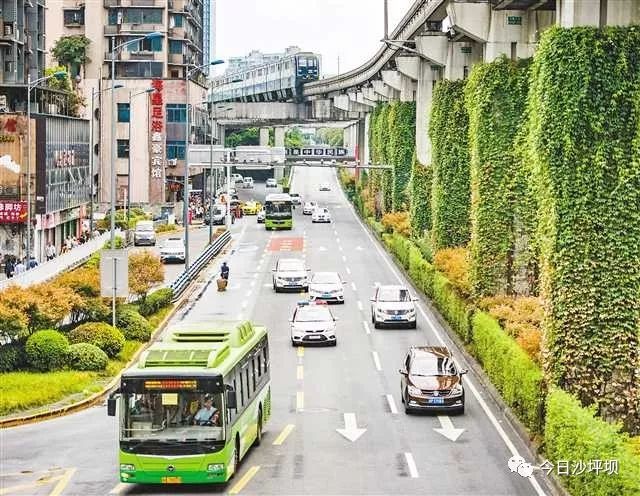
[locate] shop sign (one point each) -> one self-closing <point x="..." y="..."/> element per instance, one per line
<point x="156" y="131"/>
<point x="13" y="212"/>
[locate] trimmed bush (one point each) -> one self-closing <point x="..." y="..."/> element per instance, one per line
<point x="455" y="309"/>
<point x="454" y="264"/>
<point x="575" y="433"/>
<point x="510" y="369"/>
<point x="85" y="356"/>
<point x="46" y="349"/>
<point x="133" y="325"/>
<point x="106" y="337"/>
<point x="12" y="357"/>
<point x="155" y="301"/>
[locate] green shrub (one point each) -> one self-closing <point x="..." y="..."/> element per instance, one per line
<point x="575" y="433"/>
<point x="85" y="356"/>
<point x="46" y="349"/>
<point x="12" y="357"/>
<point x="155" y="301"/>
<point x="107" y="338"/>
<point x="133" y="325"/>
<point x="510" y="369"/>
<point x="166" y="228"/>
<point x="455" y="309"/>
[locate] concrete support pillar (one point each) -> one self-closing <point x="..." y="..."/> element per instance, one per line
<point x="221" y="134"/>
<point x="264" y="136"/>
<point x="385" y="91"/>
<point x="428" y="75"/>
<point x="461" y="57"/>
<point x="401" y="83"/>
<point x="367" y="125"/>
<point x="279" y="136"/>
<point x="350" y="137"/>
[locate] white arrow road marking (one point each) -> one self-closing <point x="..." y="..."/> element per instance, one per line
<point x="351" y="431"/>
<point x="392" y="403"/>
<point x="411" y="463"/>
<point x="376" y="360"/>
<point x="447" y="428"/>
<point x="366" y="327"/>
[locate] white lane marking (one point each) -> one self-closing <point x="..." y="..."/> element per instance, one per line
<point x="376" y="360"/>
<point x="344" y="258"/>
<point x="255" y="276"/>
<point x="239" y="316"/>
<point x="249" y="293"/>
<point x="392" y="403"/>
<point x="411" y="463"/>
<point x="348" y="271"/>
<point x="267" y="285"/>
<point x="253" y="283"/>
<point x="503" y="435"/>
<point x="366" y="327"/>
<point x="339" y="247"/>
<point x="360" y="307"/>
<point x="337" y="240"/>
<point x="353" y="286"/>
<point x="244" y="304"/>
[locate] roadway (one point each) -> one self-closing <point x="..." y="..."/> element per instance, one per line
<point x="312" y="389"/>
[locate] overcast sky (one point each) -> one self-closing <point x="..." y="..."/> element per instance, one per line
<point x="349" y="29"/>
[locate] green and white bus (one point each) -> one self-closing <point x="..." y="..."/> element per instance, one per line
<point x="194" y="404"/>
<point x="278" y="210"/>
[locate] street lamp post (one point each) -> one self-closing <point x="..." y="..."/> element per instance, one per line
<point x="215" y="183"/>
<point x="187" y="139"/>
<point x="30" y="86"/>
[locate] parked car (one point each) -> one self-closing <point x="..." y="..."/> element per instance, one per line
<point x="309" y="207"/>
<point x="172" y="250"/>
<point x="271" y="183"/>
<point x="313" y="323"/>
<point x="393" y="306"/>
<point x="320" y="214"/>
<point x="430" y="380"/>
<point x="290" y="274"/>
<point x="144" y="233"/>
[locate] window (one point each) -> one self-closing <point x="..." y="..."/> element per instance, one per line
<point x="175" y="47"/>
<point x="177" y="20"/>
<point x="123" y="148"/>
<point x="175" y="150"/>
<point x="151" y="45"/>
<point x="142" y="16"/>
<point x="175" y="73"/>
<point x="73" y="17"/>
<point x="241" y="388"/>
<point x="176" y="112"/>
<point x="246" y="374"/>
<point x="302" y="62"/>
<point x="253" y="373"/>
<point x="139" y="69"/>
<point x="123" y="112"/>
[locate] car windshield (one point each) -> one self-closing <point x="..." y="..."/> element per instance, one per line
<point x="175" y="416"/>
<point x="173" y="243"/>
<point x="278" y="208"/>
<point x="325" y="278"/>
<point x="393" y="294"/>
<point x="313" y="314"/>
<point x="290" y="266"/>
<point x="144" y="227"/>
<point x="294" y="195"/>
<point x="432" y="366"/>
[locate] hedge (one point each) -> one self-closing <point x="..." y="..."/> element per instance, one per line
<point x="449" y="133"/>
<point x="575" y="433"/>
<point x="584" y="139"/>
<point x="85" y="356"/>
<point x="133" y="325"/>
<point x="107" y="338"/>
<point x="510" y="369"/>
<point x="45" y="350"/>
<point x="12" y="357"/>
<point x="155" y="301"/>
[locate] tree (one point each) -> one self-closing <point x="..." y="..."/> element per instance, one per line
<point x="145" y="271"/>
<point x="71" y="52"/>
<point x="244" y="137"/>
<point x="294" y="138"/>
<point x="71" y="99"/>
<point x="331" y="136"/>
<point x="13" y="323"/>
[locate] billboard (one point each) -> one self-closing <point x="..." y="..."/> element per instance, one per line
<point x="13" y="142"/>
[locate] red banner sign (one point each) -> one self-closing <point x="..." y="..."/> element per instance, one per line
<point x="13" y="212"/>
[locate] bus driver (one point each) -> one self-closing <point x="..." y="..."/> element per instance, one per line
<point x="208" y="414"/>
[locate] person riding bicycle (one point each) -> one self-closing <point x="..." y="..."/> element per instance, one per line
<point x="224" y="271"/>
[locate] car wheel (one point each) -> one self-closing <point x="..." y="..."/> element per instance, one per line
<point x="413" y="324"/>
<point x="373" y="319"/>
<point x="460" y="411"/>
<point x="407" y="410"/>
<point x="376" y="324"/>
<point x="293" y="343"/>
<point x="259" y="431"/>
<point x="335" y="343"/>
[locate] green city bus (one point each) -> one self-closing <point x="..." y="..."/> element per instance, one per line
<point x="278" y="211"/>
<point x="194" y="404"/>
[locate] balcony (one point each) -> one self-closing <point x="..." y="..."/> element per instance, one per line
<point x="110" y="30"/>
<point x="177" y="33"/>
<point x="176" y="58"/>
<point x="142" y="55"/>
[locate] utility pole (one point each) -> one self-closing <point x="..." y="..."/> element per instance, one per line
<point x="386" y="19"/>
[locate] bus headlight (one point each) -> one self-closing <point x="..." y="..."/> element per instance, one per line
<point x="215" y="467"/>
<point x="127" y="467"/>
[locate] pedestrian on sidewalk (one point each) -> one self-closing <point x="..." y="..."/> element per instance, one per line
<point x="33" y="263"/>
<point x="9" y="266"/>
<point x="19" y="268"/>
<point x="50" y="251"/>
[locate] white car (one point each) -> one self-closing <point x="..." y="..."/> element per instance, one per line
<point x="237" y="178"/>
<point x="296" y="199"/>
<point x="247" y="182"/>
<point x="313" y="323"/>
<point x="290" y="274"/>
<point x="271" y="183"/>
<point x="261" y="216"/>
<point x="326" y="286"/>
<point x="325" y="187"/>
<point x="393" y="306"/>
<point x="309" y="207"/>
<point x="172" y="250"/>
<point x="321" y="214"/>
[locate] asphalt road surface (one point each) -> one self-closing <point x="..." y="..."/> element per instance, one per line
<point x="313" y="389"/>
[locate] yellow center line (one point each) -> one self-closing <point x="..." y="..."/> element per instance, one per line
<point x="30" y="485"/>
<point x="300" y="372"/>
<point x="57" y="491"/>
<point x="300" y="400"/>
<point x="283" y="435"/>
<point x="245" y="480"/>
<point x="300" y="351"/>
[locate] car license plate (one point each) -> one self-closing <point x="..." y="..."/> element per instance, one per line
<point x="396" y="317"/>
<point x="315" y="337"/>
<point x="172" y="480"/>
<point x="326" y="295"/>
<point x="436" y="401"/>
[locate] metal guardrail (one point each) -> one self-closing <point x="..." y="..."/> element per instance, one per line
<point x="182" y="281"/>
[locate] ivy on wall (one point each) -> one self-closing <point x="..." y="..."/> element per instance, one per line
<point x="420" y="198"/>
<point x="449" y="134"/>
<point x="584" y="109"/>
<point x="400" y="149"/>
<point x="495" y="97"/>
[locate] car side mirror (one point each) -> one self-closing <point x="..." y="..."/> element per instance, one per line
<point x="111" y="407"/>
<point x="464" y="371"/>
<point x="414" y="299"/>
<point x="336" y="319"/>
<point x="372" y="300"/>
<point x="402" y="371"/>
<point x="273" y="270"/>
<point x="231" y="399"/>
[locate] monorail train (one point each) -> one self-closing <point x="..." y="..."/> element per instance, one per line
<point x="277" y="81"/>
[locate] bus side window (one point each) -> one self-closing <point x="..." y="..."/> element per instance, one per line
<point x="241" y="388"/>
<point x="246" y="374"/>
<point x="265" y="351"/>
<point x="253" y="373"/>
<point x="260" y="364"/>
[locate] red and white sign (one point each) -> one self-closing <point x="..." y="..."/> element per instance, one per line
<point x="13" y="212"/>
<point x="156" y="131"/>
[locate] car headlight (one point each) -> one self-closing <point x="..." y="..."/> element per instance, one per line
<point x="414" y="391"/>
<point x="127" y="467"/>
<point x="457" y="390"/>
<point x="215" y="467"/>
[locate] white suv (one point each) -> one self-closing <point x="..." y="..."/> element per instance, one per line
<point x="290" y="274"/>
<point x="393" y="306"/>
<point x="172" y="249"/>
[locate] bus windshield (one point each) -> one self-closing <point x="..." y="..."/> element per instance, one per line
<point x="279" y="209"/>
<point x="175" y="416"/>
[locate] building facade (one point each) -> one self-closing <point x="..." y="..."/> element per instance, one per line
<point x="149" y="141"/>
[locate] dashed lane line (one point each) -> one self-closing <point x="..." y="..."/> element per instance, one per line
<point x="353" y="286"/>
<point x="300" y="372"/>
<point x="300" y="351"/>
<point x="360" y="307"/>
<point x="365" y="324"/>
<point x="392" y="404"/>
<point x="119" y="488"/>
<point x="244" y="305"/>
<point x="344" y="258"/>
<point x="283" y="435"/>
<point x="411" y="463"/>
<point x="348" y="271"/>
<point x="376" y="360"/>
<point x="300" y="401"/>
<point x="239" y="486"/>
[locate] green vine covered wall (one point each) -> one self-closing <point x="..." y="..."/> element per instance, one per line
<point x="449" y="133"/>
<point x="495" y="97"/>
<point x="400" y="149"/>
<point x="584" y="110"/>
<point x="420" y="198"/>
